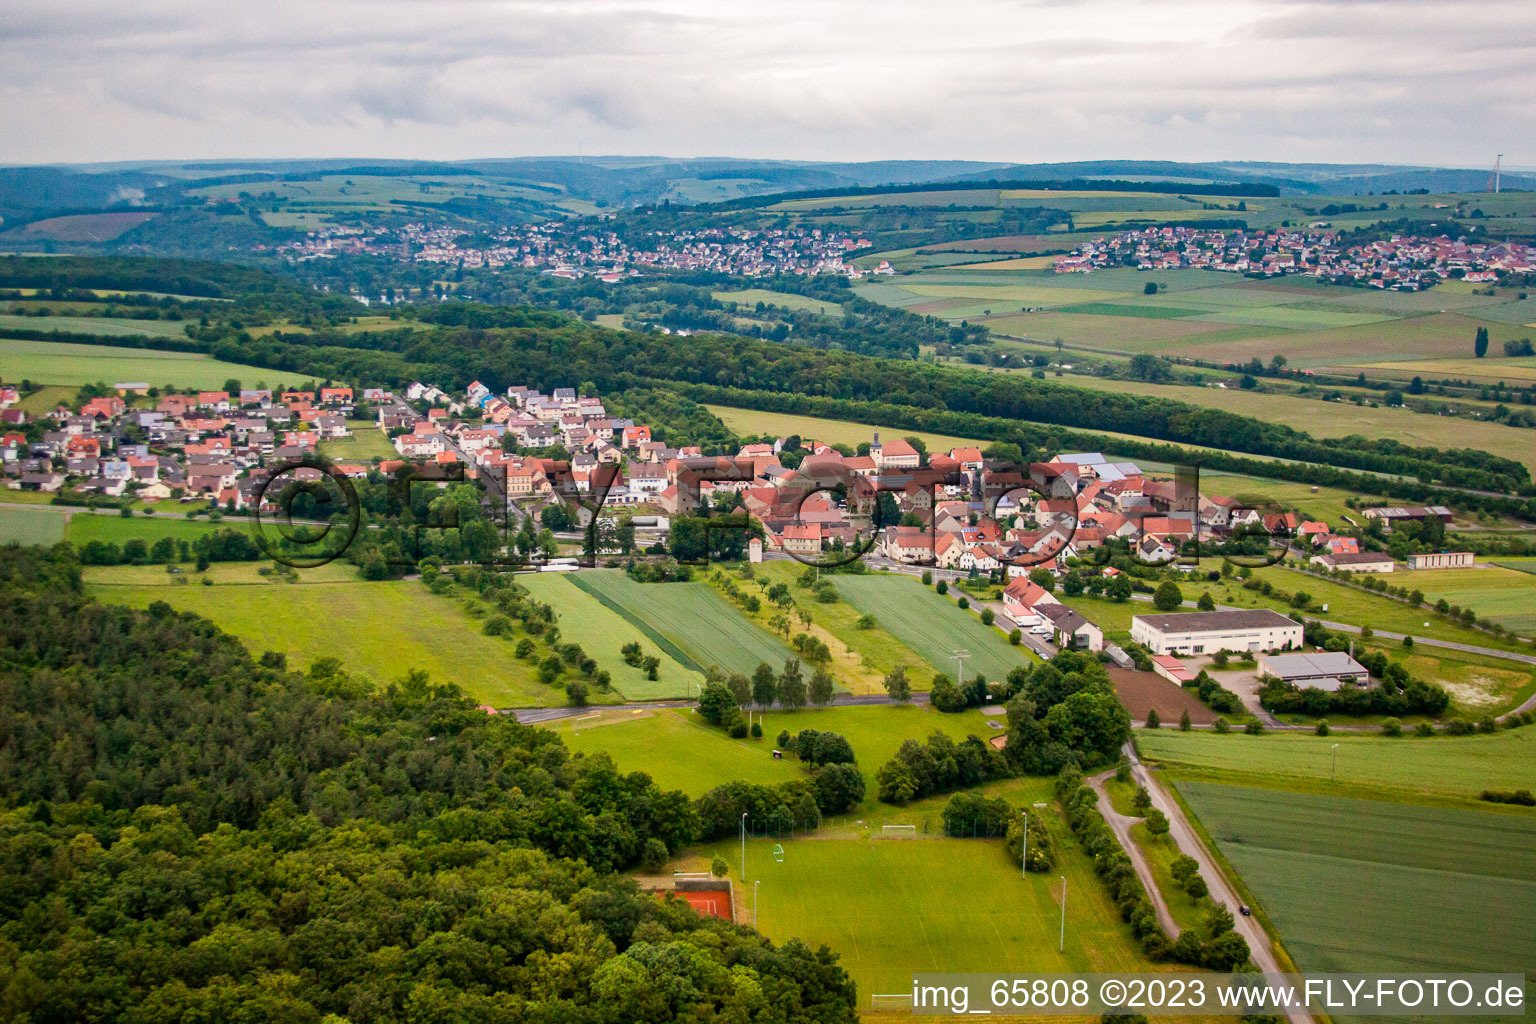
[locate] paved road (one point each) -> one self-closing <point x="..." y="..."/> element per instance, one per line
<point x="1222" y="891"/>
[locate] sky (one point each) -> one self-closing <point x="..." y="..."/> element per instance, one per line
<point x="1435" y="82"/>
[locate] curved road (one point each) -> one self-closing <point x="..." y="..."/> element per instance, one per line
<point x="1260" y="948"/>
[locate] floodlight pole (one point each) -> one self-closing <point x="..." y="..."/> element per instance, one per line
<point x="1062" y="948"/>
<point x="743" y="846"/>
<point x="960" y="657"/>
<point x="1024" y="851"/>
<point x="754" y="901"/>
<point x="1333" y="771"/>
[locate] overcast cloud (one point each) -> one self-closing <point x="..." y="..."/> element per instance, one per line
<point x="1015" y="80"/>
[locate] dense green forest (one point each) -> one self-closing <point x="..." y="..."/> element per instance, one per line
<point x="188" y="833"/>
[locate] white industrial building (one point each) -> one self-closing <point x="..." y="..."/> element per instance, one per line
<point x="1257" y="629"/>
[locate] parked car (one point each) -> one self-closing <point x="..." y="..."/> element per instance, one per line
<point x="1245" y="911"/>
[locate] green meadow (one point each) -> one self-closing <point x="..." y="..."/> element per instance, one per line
<point x="62" y="363"/>
<point x="380" y="630"/>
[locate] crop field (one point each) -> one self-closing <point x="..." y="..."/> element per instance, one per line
<point x="894" y="907"/>
<point x="601" y="632"/>
<point x="381" y="630"/>
<point x="63" y="363"/>
<point x="689" y="621"/>
<point x="931" y="625"/>
<point x="1489" y="369"/>
<point x="83" y="227"/>
<point x="1340" y="419"/>
<point x="1141" y="691"/>
<point x="1364" y="885"/>
<point x="1504" y="595"/>
<point x="788" y="300"/>
<point x="40" y="525"/>
<point x="1442" y="766"/>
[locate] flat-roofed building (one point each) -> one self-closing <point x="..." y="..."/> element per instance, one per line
<point x="1441" y="560"/>
<point x="1359" y="561"/>
<point x="1325" y="670"/>
<point x="1255" y="629"/>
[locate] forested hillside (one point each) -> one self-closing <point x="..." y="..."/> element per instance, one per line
<point x="188" y="833"/>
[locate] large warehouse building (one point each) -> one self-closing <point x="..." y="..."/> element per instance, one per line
<point x="1325" y="670"/>
<point x="1257" y="629"/>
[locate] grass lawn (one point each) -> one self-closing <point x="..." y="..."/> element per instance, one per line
<point x="1365" y="885"/>
<point x="931" y="625"/>
<point x="601" y="632"/>
<point x="689" y="621"/>
<point x="380" y="630"/>
<point x="85" y="527"/>
<point x="1507" y="596"/>
<point x="750" y="297"/>
<point x="366" y="444"/>
<point x="1161" y="851"/>
<point x="893" y="907"/>
<point x="45" y="399"/>
<point x="680" y="753"/>
<point x="94" y="325"/>
<point x="752" y="422"/>
<point x="1360" y="608"/>
<point x="676" y="749"/>
<point x="43" y="524"/>
<point x="51" y="362"/>
<point x="1439" y="767"/>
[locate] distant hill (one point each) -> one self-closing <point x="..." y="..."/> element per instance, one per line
<point x="555" y="186"/>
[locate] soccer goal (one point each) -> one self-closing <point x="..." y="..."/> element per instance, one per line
<point x="891" y="1003"/>
<point x="898" y="831"/>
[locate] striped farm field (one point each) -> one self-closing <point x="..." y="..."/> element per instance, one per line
<point x="932" y="625"/>
<point x="601" y="631"/>
<point x="1365" y="885"/>
<point x="1442" y="766"/>
<point x="689" y="621"/>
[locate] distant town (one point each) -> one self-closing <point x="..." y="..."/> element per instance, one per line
<point x="583" y="250"/>
<point x="1398" y="263"/>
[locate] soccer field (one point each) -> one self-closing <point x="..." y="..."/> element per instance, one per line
<point x="1365" y="885"/>
<point x="892" y="907"/>
<point x="931" y="625"/>
<point x="689" y="621"/>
